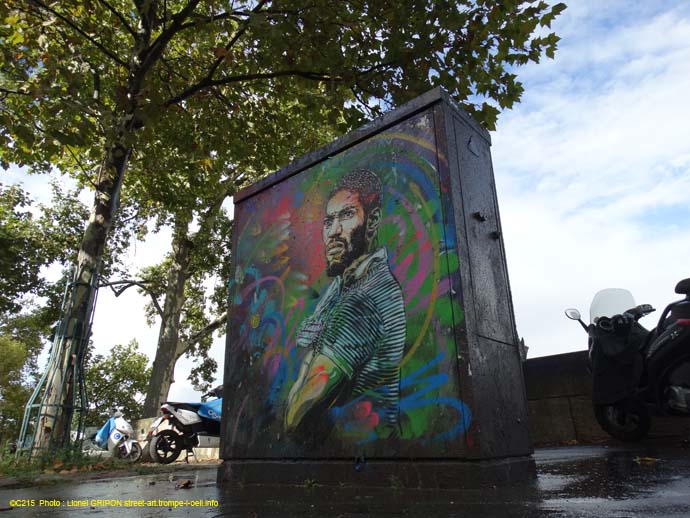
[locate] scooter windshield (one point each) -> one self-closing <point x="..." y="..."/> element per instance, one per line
<point x="609" y="302"/>
<point x="104" y="432"/>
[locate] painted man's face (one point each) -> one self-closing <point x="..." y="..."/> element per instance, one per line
<point x="343" y="231"/>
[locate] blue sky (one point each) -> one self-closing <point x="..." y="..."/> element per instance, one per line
<point x="592" y="171"/>
<point x="593" y="167"/>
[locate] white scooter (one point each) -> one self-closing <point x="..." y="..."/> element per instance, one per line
<point x="191" y="425"/>
<point x="117" y="437"/>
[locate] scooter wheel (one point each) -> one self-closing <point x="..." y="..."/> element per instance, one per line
<point x="134" y="454"/>
<point x="165" y="446"/>
<point x="625" y="421"/>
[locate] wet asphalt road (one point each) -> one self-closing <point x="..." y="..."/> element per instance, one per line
<point x="603" y="481"/>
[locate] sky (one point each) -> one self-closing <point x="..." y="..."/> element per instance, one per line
<point x="593" y="168"/>
<point x="592" y="174"/>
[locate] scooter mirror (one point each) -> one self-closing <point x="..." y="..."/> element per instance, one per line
<point x="573" y="314"/>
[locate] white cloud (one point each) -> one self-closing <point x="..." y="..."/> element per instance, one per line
<point x="593" y="168"/>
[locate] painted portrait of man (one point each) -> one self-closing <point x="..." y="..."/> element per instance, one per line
<point x="355" y="338"/>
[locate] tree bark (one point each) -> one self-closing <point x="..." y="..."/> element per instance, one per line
<point x="54" y="421"/>
<point x="168" y="337"/>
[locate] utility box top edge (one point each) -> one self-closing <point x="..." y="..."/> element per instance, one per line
<point x="418" y="104"/>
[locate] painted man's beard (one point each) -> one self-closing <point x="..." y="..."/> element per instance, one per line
<point x="343" y="252"/>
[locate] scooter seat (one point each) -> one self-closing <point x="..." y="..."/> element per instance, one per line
<point x="194" y="407"/>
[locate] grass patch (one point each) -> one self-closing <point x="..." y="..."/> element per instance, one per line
<point x="26" y="469"/>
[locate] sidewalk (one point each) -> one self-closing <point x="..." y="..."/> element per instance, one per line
<point x="576" y="481"/>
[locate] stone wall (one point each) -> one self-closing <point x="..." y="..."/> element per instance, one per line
<point x="559" y="403"/>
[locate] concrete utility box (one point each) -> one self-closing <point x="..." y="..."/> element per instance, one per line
<point x="371" y="332"/>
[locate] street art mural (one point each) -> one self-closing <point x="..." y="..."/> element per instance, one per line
<point x="356" y="335"/>
<point x="343" y="319"/>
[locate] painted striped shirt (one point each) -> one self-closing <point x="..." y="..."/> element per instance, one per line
<point x="359" y="324"/>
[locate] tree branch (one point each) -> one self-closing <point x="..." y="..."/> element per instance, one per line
<point x="128" y="283"/>
<point x="225" y="189"/>
<point x="119" y="16"/>
<point x="155" y="51"/>
<point x="76" y="159"/>
<point x="147" y="15"/>
<point x="210" y="328"/>
<point x="222" y="99"/>
<point x="214" y="66"/>
<point x="172" y="70"/>
<point x="201" y="19"/>
<point x="13" y="92"/>
<point x="371" y="112"/>
<point x="88" y="38"/>
<point x="209" y="83"/>
<point x="183" y="346"/>
<point x="233" y="40"/>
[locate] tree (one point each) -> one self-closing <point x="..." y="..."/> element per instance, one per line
<point x="82" y="80"/>
<point x="117" y="380"/>
<point x="185" y="327"/>
<point x="33" y="237"/>
<point x="13" y="392"/>
<point x="19" y="233"/>
<point x="22" y="337"/>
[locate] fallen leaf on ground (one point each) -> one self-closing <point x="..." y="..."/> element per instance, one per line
<point x="184" y="484"/>
<point x="645" y="460"/>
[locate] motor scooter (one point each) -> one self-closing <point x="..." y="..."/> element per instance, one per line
<point x="637" y="373"/>
<point x="190" y="425"/>
<point x="117" y="437"/>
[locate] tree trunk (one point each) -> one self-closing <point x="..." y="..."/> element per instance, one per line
<point x="54" y="421"/>
<point x="168" y="337"/>
<point x="170" y="347"/>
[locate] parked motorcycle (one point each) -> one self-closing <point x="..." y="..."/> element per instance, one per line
<point x="637" y="373"/>
<point x="190" y="425"/>
<point x="117" y="437"/>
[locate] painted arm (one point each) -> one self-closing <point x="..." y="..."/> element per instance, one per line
<point x="318" y="380"/>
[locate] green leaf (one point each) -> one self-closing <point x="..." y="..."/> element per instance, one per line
<point x="558" y="8"/>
